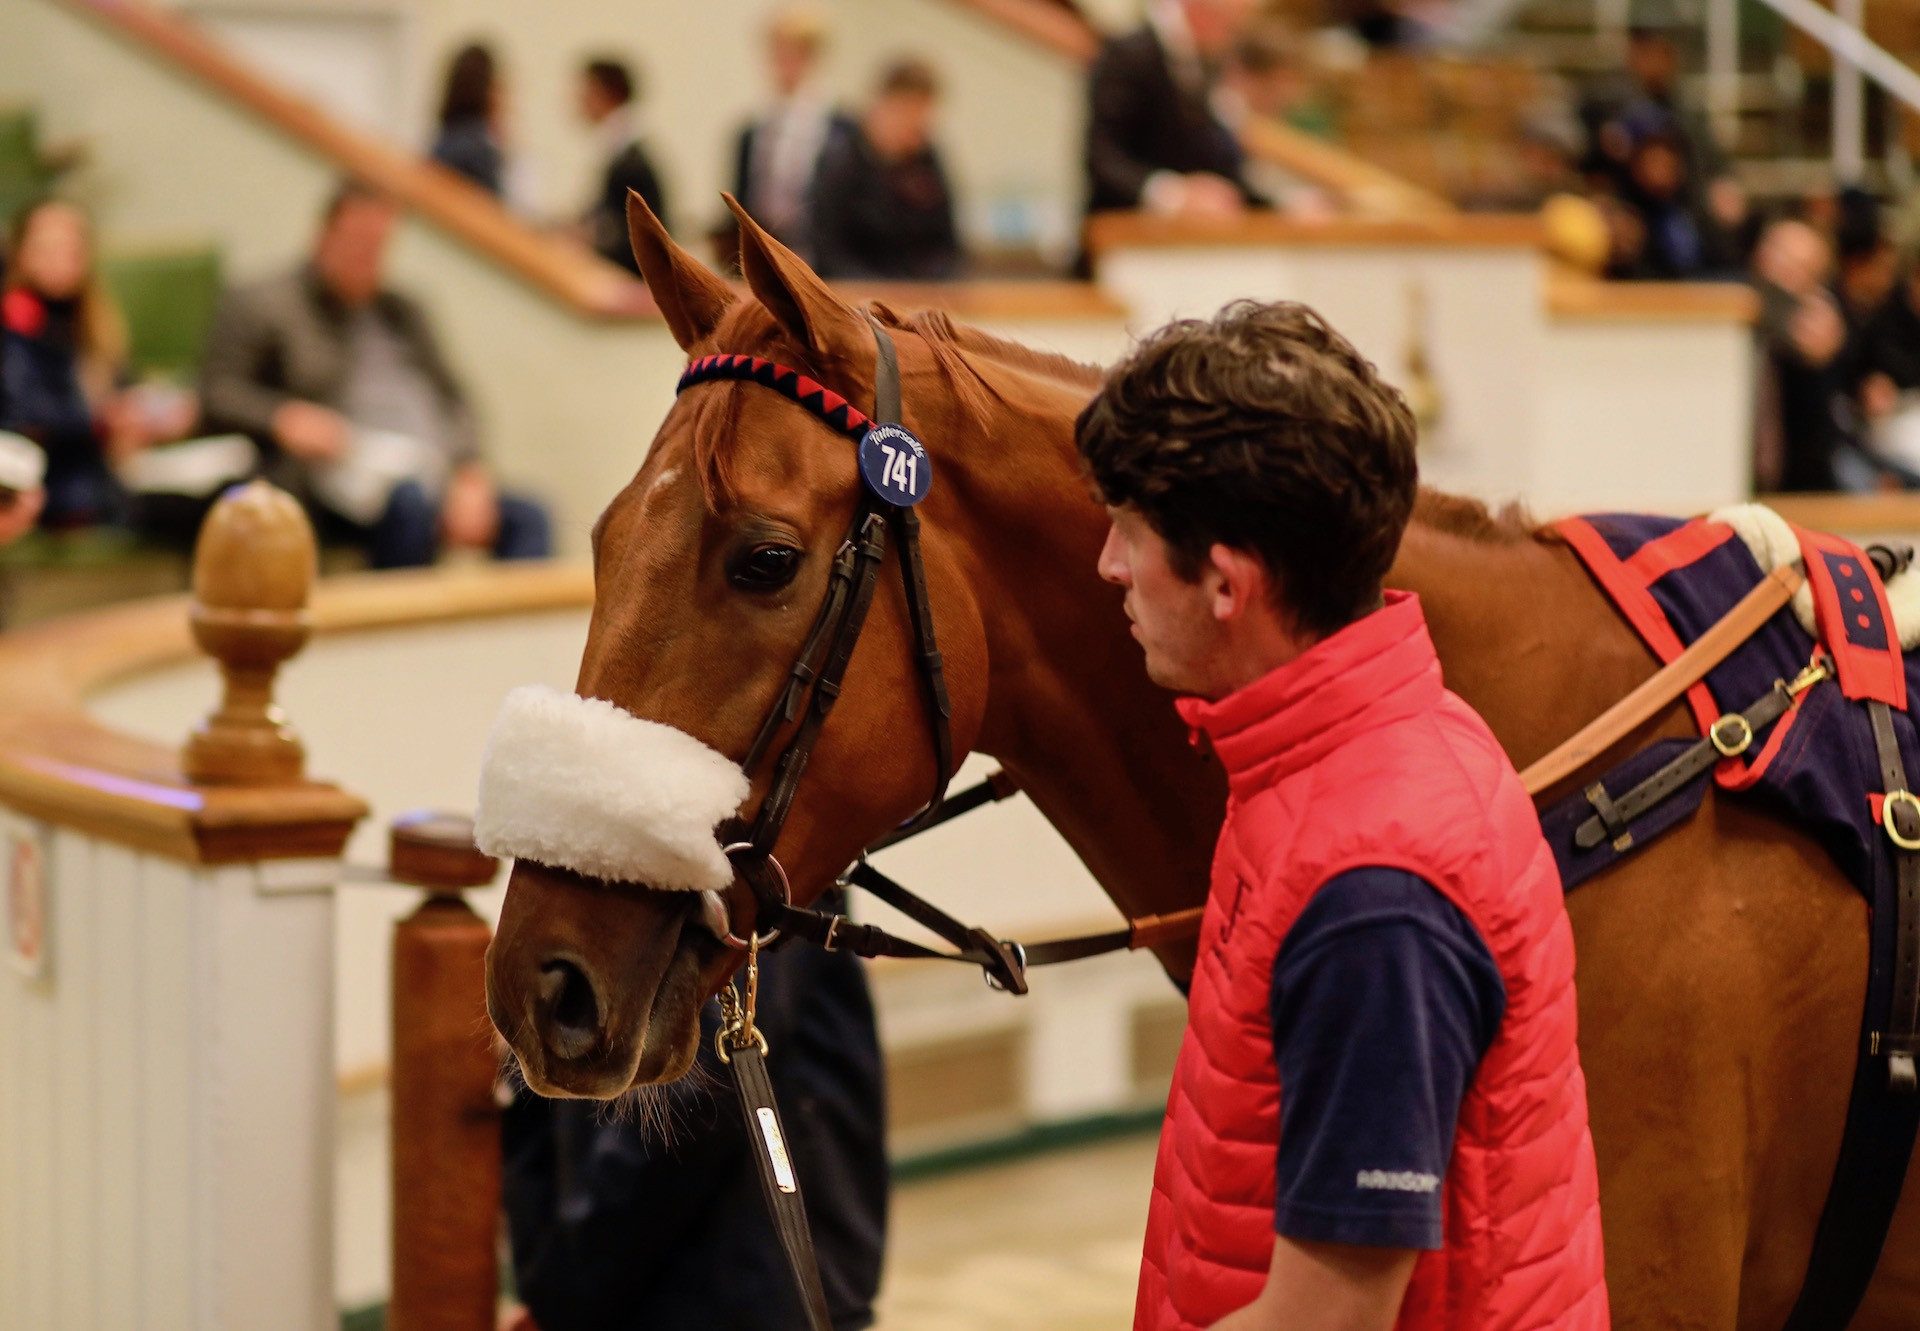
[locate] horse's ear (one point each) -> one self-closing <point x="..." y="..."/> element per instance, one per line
<point x="691" y="296"/>
<point x="799" y="301"/>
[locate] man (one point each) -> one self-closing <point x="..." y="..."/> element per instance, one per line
<point x="881" y="205"/>
<point x="606" y="104"/>
<point x="778" y="152"/>
<point x="1153" y="140"/>
<point x="341" y="381"/>
<point x="1378" y="1116"/>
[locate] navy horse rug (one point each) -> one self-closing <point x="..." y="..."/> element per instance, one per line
<point x="1809" y="719"/>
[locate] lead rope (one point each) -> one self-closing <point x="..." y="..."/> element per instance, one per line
<point x="742" y="1046"/>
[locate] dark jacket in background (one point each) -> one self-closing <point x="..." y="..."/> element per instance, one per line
<point x="286" y="338"/>
<point x="617" y="1226"/>
<point x="878" y="219"/>
<point x="1800" y="395"/>
<point x="629" y="169"/>
<point x="40" y="386"/>
<point x="1890" y="341"/>
<point x="469" y="148"/>
<point x="1141" y="119"/>
<point x="799" y="235"/>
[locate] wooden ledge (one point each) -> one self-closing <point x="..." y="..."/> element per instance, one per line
<point x="1895" y="514"/>
<point x="1111" y="231"/>
<point x="59" y="764"/>
<point x="1575" y="297"/>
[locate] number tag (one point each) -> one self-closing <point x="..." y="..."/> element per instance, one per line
<point x="895" y="465"/>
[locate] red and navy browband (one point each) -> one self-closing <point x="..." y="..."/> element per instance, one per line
<point x="816" y="397"/>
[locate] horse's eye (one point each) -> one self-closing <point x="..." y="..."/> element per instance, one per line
<point x="765" y="568"/>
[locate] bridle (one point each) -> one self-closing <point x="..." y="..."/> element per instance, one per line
<point x="813" y="686"/>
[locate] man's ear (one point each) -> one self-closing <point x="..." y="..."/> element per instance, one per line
<point x="1236" y="581"/>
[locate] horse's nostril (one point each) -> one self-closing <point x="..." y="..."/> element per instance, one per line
<point x="571" y="1016"/>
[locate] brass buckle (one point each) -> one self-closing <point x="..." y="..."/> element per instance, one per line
<point x="1820" y="669"/>
<point x="1894" y="834"/>
<point x="1739" y="743"/>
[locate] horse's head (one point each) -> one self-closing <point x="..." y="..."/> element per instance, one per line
<point x="710" y="568"/>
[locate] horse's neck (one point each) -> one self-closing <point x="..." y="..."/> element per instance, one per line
<point x="1071" y="713"/>
<point x="1522" y="633"/>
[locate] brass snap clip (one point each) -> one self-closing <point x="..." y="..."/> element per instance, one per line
<point x="1896" y="798"/>
<point x="737" y="1030"/>
<point x="1732" y="735"/>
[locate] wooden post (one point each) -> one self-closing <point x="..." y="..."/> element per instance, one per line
<point x="446" y="1121"/>
<point x="253" y="568"/>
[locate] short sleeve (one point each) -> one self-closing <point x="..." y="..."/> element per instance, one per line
<point x="1385" y="999"/>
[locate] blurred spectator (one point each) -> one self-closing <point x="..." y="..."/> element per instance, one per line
<point x="472" y="115"/>
<point x="881" y="205"/>
<point x="1887" y="362"/>
<point x="1154" y="141"/>
<point x="1678" y="239"/>
<point x="1265" y="79"/>
<point x="1801" y="335"/>
<point x="342" y="382"/>
<point x="606" y="98"/>
<point x="64" y="361"/>
<point x="1868" y="262"/>
<point x="778" y="152"/>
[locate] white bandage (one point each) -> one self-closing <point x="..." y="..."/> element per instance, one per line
<point x="1773" y="544"/>
<point x="579" y="784"/>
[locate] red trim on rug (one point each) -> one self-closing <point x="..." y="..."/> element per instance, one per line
<point x="1679" y="548"/>
<point x="1630" y="597"/>
<point x="1865" y="672"/>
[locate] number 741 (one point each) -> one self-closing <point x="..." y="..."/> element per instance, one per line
<point x="902" y="468"/>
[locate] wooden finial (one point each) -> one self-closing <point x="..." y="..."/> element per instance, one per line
<point x="253" y="568"/>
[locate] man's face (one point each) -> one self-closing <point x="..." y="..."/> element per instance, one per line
<point x="791" y="61"/>
<point x="1215" y="23"/>
<point x="352" y="253"/>
<point x="593" y="101"/>
<point x="1173" y="619"/>
<point x="900" y="124"/>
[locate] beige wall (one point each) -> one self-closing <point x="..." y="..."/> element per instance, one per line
<point x="1011" y="114"/>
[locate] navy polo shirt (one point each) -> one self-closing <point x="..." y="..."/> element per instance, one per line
<point x="1385" y="999"/>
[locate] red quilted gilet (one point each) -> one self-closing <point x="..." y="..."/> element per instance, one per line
<point x="1354" y="755"/>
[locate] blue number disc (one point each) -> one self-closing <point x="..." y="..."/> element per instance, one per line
<point x="895" y="465"/>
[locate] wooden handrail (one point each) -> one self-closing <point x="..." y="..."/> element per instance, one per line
<point x="1107" y="231"/>
<point x="60" y="764"/>
<point x="576" y="277"/>
<point x="1851" y="514"/>
<point x="1063" y="31"/>
<point x="1369" y="189"/>
<point x="1577" y="297"/>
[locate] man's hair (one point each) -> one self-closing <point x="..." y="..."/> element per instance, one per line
<point x="349" y="191"/>
<point x="909" y="75"/>
<point x="468" y="91"/>
<point x="613" y="77"/>
<point x="1263" y="430"/>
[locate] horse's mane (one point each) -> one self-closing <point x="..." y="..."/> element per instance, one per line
<point x="1457" y="515"/>
<point x="955" y="348"/>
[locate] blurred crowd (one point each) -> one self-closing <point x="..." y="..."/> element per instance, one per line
<point x="335" y="385"/>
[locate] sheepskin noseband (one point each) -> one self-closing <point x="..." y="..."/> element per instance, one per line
<point x="579" y="784"/>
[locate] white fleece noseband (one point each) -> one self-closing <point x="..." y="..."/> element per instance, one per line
<point x="579" y="784"/>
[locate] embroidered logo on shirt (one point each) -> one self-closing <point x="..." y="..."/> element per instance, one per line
<point x="1396" y="1180"/>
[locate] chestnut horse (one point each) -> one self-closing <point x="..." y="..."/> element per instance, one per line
<point x="1722" y="971"/>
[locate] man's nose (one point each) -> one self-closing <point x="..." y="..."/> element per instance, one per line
<point x="1112" y="566"/>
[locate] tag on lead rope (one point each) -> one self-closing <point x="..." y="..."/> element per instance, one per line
<point x="776" y="1150"/>
<point x="895" y="465"/>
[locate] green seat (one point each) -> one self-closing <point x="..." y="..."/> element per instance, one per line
<point x="168" y="297"/>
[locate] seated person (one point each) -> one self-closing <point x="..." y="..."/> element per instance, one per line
<point x="1885" y="362"/>
<point x="468" y="140"/>
<point x="1680" y="240"/>
<point x="606" y="102"/>
<point x="1154" y="141"/>
<point x="881" y="205"/>
<point x="341" y="381"/>
<point x="64" y="359"/>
